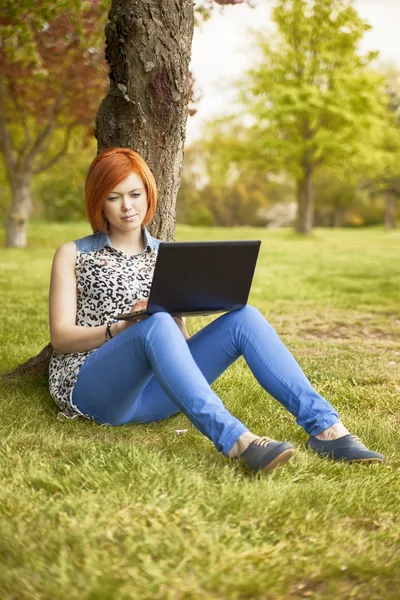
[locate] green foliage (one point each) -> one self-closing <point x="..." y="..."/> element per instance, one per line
<point x="336" y="194"/>
<point x="353" y="201"/>
<point x="384" y="176"/>
<point x="214" y="191"/>
<point x="21" y="21"/>
<point x="139" y="512"/>
<point x="59" y="82"/>
<point x="313" y="97"/>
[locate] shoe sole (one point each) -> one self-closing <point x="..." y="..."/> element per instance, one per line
<point x="278" y="461"/>
<point x="366" y="460"/>
<point x="354" y="460"/>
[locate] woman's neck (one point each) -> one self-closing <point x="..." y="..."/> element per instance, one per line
<point x="129" y="242"/>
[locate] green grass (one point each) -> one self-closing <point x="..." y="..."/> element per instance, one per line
<point x="135" y="512"/>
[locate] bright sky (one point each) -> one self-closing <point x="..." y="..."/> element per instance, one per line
<point x="222" y="49"/>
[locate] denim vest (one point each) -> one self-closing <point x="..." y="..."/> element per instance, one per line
<point x="96" y="241"/>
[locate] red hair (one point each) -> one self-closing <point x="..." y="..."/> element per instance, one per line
<point x="108" y="169"/>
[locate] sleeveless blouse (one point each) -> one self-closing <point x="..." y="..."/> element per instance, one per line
<point x="108" y="283"/>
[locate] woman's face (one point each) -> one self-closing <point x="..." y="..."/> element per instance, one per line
<point x="126" y="205"/>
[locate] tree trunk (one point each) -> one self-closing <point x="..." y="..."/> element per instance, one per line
<point x="38" y="365"/>
<point x="148" y="48"/>
<point x="390" y="211"/>
<point x="18" y="217"/>
<point x="337" y="216"/>
<point x="305" y="199"/>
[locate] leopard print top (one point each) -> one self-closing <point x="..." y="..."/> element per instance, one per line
<point x="108" y="283"/>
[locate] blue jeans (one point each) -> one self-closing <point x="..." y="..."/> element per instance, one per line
<point x="150" y="372"/>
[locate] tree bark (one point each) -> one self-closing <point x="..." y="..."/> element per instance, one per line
<point x="21" y="208"/>
<point x="305" y="199"/>
<point x="390" y="211"/>
<point x="38" y="365"/>
<point x="148" y="48"/>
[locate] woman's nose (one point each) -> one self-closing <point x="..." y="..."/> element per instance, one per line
<point x="126" y="202"/>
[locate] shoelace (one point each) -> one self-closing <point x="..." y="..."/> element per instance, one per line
<point x="358" y="442"/>
<point x="262" y="441"/>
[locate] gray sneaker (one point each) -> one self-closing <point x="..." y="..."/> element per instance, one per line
<point x="348" y="448"/>
<point x="265" y="454"/>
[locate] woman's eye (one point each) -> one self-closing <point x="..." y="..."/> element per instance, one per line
<point x="114" y="198"/>
<point x="136" y="195"/>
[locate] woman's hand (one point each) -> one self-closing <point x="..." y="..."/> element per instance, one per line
<point x="142" y="305"/>
<point x="139" y="305"/>
<point x="122" y="325"/>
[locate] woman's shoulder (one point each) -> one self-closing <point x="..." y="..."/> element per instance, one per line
<point x="65" y="256"/>
<point x="85" y="244"/>
<point x="66" y="250"/>
<point x="92" y="242"/>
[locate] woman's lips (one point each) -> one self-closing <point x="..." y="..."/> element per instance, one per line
<point x="130" y="218"/>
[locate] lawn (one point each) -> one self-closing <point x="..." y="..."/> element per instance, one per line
<point x="93" y="512"/>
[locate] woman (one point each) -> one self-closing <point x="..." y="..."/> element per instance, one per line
<point x="147" y="370"/>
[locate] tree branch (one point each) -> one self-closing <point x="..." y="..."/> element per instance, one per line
<point x="59" y="154"/>
<point x="47" y="130"/>
<point x="6" y="143"/>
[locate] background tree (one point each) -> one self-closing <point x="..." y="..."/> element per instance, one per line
<point x="313" y="98"/>
<point x="389" y="179"/>
<point x="52" y="72"/>
<point x="379" y="176"/>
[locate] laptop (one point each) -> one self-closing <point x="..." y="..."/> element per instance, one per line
<point x="201" y="278"/>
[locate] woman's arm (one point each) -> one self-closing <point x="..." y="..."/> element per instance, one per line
<point x="66" y="337"/>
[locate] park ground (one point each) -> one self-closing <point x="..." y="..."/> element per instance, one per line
<point x="142" y="512"/>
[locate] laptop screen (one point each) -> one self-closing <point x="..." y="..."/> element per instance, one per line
<point x="203" y="277"/>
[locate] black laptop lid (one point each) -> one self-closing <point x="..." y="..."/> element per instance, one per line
<point x="203" y="276"/>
